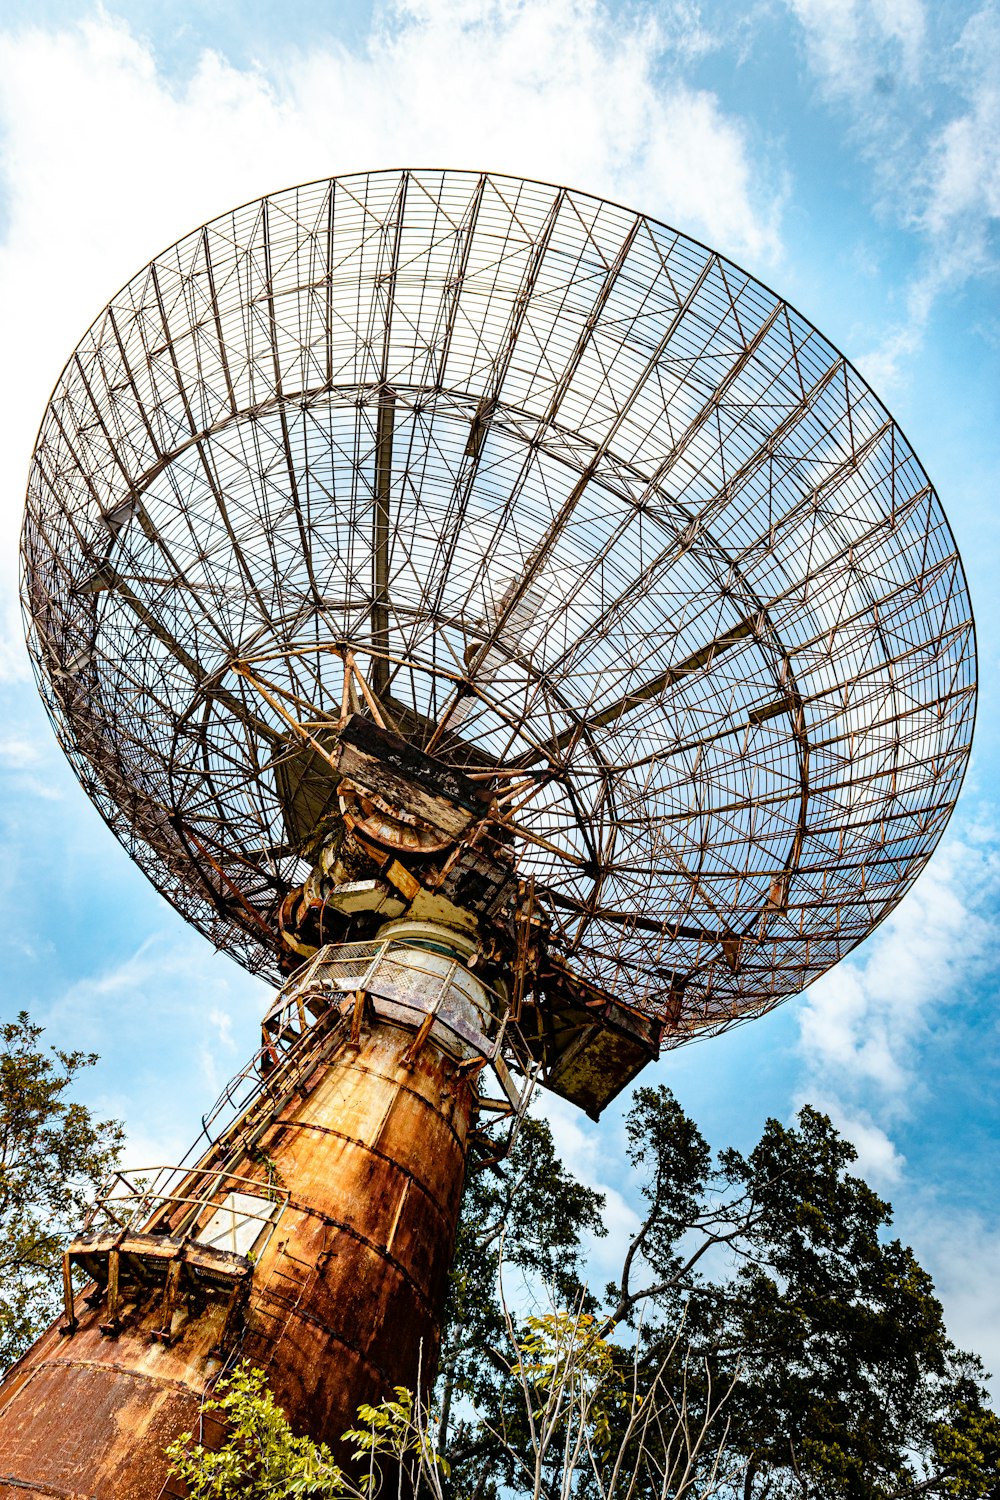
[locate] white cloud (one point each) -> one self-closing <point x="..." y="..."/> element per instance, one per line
<point x="166" y="979"/>
<point x="905" y="23"/>
<point x="962" y="202"/>
<point x="33" y="786"/>
<point x="868" y="1028"/>
<point x="862" y="1025"/>
<point x="222" y="1024"/>
<point x="858" y="48"/>
<point x="879" y="1161"/>
<point x="924" y="111"/>
<point x="106" y="159"/>
<point x="878" y="1158"/>
<point x="884" y="365"/>
<point x="954" y="194"/>
<point x="17" y="754"/>
<point x="25" y="759"/>
<point x="961" y="1249"/>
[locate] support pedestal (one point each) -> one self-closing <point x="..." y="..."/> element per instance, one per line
<point x="344" y="1303"/>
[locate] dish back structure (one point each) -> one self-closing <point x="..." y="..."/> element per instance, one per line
<point x="566" y="482"/>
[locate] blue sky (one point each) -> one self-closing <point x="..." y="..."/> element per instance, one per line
<point x="846" y="153"/>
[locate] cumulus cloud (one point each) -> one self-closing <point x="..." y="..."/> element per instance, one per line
<point x="923" y="99"/>
<point x="955" y="194"/>
<point x="107" y="158"/>
<point x="866" y="1027"/>
<point x="879" y="1160"/>
<point x="864" y="1020"/>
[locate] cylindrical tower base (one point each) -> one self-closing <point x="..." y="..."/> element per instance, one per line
<point x="350" y="1291"/>
<point x="343" y="1304"/>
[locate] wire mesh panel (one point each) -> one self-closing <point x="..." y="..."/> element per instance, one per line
<point x="586" y="503"/>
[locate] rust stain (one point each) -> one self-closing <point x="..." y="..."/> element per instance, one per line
<point x="349" y="1292"/>
<point x="345" y="1301"/>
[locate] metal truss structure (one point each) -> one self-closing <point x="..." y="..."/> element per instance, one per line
<point x="559" y="495"/>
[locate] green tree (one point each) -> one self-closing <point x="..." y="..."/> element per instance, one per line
<point x="529" y="1211"/>
<point x="53" y="1154"/>
<point x="845" y="1383"/>
<point x="793" y="1297"/>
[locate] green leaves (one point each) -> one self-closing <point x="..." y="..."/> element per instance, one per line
<point x="966" y="1449"/>
<point x="841" y="1337"/>
<point x="796" y="1299"/>
<point x="261" y="1458"/>
<point x="394" y="1429"/>
<point x="53" y="1155"/>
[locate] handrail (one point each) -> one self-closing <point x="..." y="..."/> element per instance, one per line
<point x="147" y="1199"/>
<point x="371" y="957"/>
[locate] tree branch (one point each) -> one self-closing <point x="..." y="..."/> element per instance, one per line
<point x="922" y="1487"/>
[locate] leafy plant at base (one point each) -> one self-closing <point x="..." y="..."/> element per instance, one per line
<point x="53" y="1156"/>
<point x="261" y="1458"/>
<point x="398" y="1430"/>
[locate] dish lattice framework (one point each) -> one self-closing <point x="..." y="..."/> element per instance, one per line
<point x="558" y="476"/>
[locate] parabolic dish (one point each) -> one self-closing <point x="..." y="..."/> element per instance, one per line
<point x="584" y="499"/>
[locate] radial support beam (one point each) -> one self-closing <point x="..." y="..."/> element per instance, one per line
<point x="645" y="693"/>
<point x="381" y="534"/>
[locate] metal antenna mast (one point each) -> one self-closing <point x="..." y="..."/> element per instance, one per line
<point x="511" y="628"/>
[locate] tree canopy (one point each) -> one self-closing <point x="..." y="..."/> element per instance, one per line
<point x="53" y="1155"/>
<point x="793" y="1297"/>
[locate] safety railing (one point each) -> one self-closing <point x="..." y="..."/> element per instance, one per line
<point x="220" y="1210"/>
<point x="425" y="988"/>
<point x="418" y="978"/>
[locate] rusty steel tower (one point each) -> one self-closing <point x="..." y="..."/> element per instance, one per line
<point x="517" y="633"/>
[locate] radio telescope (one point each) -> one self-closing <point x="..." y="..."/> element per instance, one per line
<point x="442" y="563"/>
